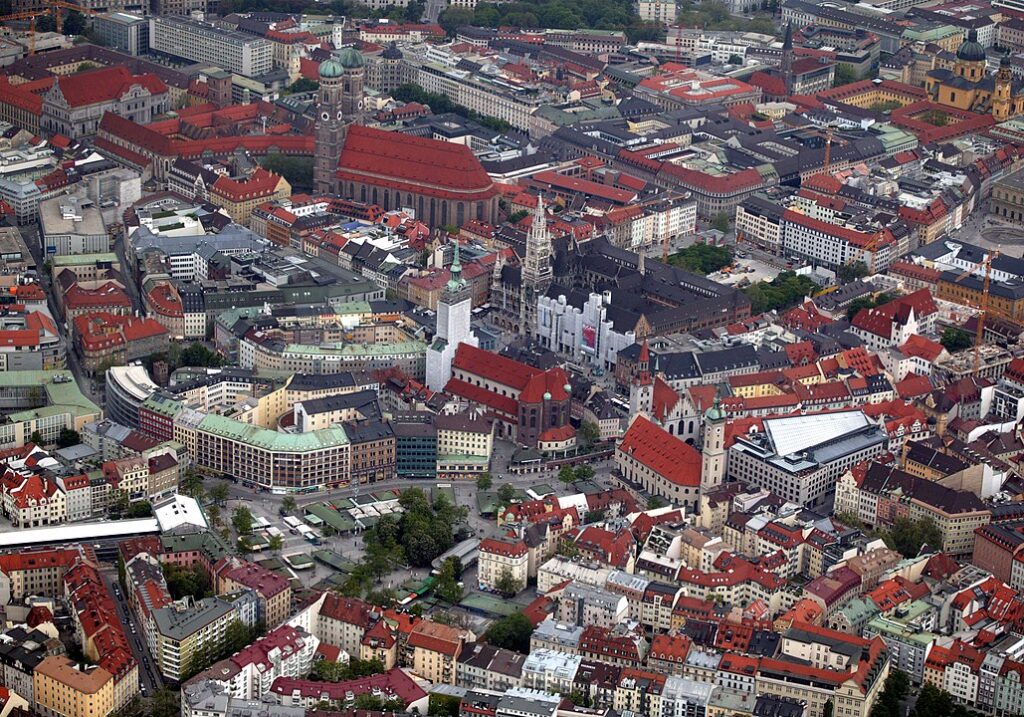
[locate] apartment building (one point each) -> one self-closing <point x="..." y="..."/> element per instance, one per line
<point x="184" y="630"/>
<point x="273" y="591"/>
<point x="435" y="648"/>
<point x="498" y="558"/>
<point x="237" y="52"/>
<point x="64" y="688"/>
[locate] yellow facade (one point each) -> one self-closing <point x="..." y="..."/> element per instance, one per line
<point x="65" y="689"/>
<point x="967" y="88"/>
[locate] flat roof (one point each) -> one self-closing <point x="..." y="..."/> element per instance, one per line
<point x="78" y="532"/>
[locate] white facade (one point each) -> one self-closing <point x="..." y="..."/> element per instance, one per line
<point x="454" y="314"/>
<point x="584" y="333"/>
<point x="236" y="52"/>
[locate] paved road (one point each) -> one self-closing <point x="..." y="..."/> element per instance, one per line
<point x="149" y="678"/>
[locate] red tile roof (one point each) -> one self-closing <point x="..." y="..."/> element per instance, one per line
<point x="665" y="454"/>
<point x="414" y="164"/>
<point x="106" y="295"/>
<point x="506" y="548"/>
<point x="260" y="183"/>
<point x="105" y="84"/>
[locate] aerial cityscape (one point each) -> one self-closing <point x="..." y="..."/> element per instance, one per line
<point x="525" y="358"/>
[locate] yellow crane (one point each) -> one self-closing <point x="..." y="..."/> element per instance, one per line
<point x="54" y="8"/>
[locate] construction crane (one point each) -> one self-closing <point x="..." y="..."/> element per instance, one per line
<point x="983" y="309"/>
<point x="54" y="8"/>
<point x="871" y="247"/>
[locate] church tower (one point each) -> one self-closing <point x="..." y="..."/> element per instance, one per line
<point x="641" y="392"/>
<point x="786" y="66"/>
<point x="339" y="102"/>
<point x="454" y="315"/>
<point x="712" y="471"/>
<point x="536" y="271"/>
<point x="1002" y="102"/>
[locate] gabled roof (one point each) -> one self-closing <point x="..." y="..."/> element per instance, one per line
<point x="418" y="163"/>
<point x="665" y="454"/>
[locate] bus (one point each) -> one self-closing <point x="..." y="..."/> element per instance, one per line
<point x="293" y="524"/>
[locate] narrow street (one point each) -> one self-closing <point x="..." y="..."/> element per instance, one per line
<point x="149" y="677"/>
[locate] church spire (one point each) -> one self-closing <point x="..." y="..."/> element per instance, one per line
<point x="536" y="270"/>
<point x="456" y="282"/>
<point x="786" y="66"/>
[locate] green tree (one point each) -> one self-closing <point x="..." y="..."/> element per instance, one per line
<point x="218" y="494"/>
<point x="507" y="584"/>
<point x="784" y="291"/>
<point x="367" y="701"/>
<point x="447" y="587"/>
<point x="454" y="18"/>
<point x="867" y="302"/>
<point x="68" y="437"/>
<point x="894" y="691"/>
<point x="288" y="505"/>
<point x="594" y="516"/>
<point x="304" y="84"/>
<point x="242" y="520"/>
<point x="933" y="702"/>
<point x="198" y="355"/>
<point x="213" y="514"/>
<point x="484" y="482"/>
<point x="165" y="703"/>
<point x="117" y="505"/>
<point x="506" y="494"/>
<point x="702" y="258"/>
<point x="655" y="502"/>
<point x="735" y="60"/>
<point x="908" y="536"/>
<point x="74" y="23"/>
<point x="297" y="170"/>
<point x="191" y="484"/>
<point x="589" y="434"/>
<point x="721" y="222"/>
<point x="936" y="118"/>
<point x="36" y="438"/>
<point x="192" y="581"/>
<point x="583" y="472"/>
<point x="844" y="75"/>
<point x="954" y="339"/>
<point x="275" y="543"/>
<point x="851" y="272"/>
<point x="567" y="475"/>
<point x="139" y="509"/>
<point x="441" y="705"/>
<point x="850" y="520"/>
<point x="512" y="632"/>
<point x="86" y="66"/>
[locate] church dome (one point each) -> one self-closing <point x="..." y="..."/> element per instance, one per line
<point x="331" y="68"/>
<point x="971" y="50"/>
<point x="350" y="58"/>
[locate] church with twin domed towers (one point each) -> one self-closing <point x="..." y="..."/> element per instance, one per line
<point x="442" y="182"/>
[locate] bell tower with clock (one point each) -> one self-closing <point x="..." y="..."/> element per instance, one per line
<point x="339" y="104"/>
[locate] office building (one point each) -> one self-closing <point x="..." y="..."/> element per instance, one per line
<point x="238" y="52"/>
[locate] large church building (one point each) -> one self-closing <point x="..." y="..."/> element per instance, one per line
<point x="442" y="182"/>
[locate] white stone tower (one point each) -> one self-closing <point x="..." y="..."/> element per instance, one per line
<point x="454" y="315"/>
